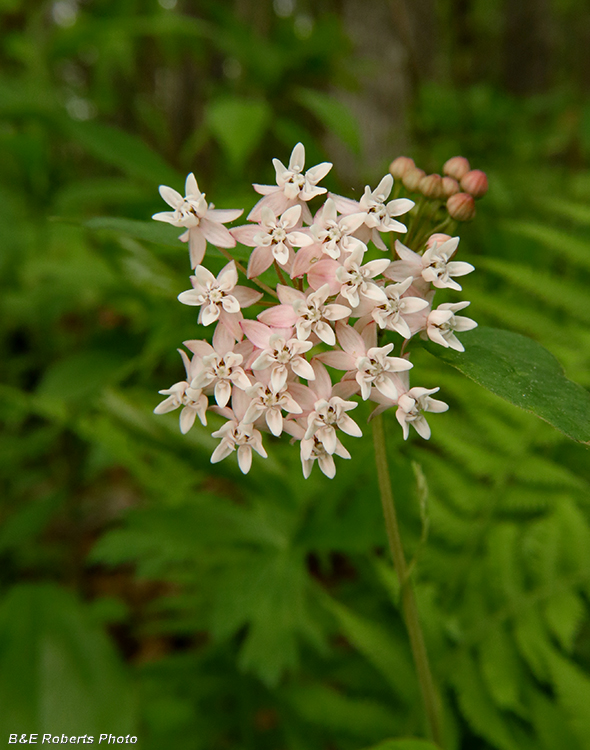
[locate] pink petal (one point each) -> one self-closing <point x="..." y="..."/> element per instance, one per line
<point x="246" y="233"/>
<point x="232" y="322"/>
<point x="265" y="189"/>
<point x="217" y="234"/>
<point x="246" y="296"/>
<point x="223" y="341"/>
<point x="322" y="384"/>
<point x="350" y="340"/>
<point x="276" y="201"/>
<point x="260" y="260"/>
<point x="223" y="215"/>
<point x="337" y="359"/>
<point x="345" y="205"/>
<point x="279" y="316"/>
<point x="324" y="272"/>
<point x="257" y="333"/>
<point x="197" y="245"/>
<point x="288" y="295"/>
<point x="303" y="260"/>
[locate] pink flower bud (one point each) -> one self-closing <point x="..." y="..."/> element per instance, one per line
<point x="400" y="166"/>
<point x="412" y="178"/>
<point x="439" y="238"/>
<point x="475" y="183"/>
<point x="461" y="207"/>
<point x="450" y="186"/>
<point x="431" y="187"/>
<point x="456" y="167"/>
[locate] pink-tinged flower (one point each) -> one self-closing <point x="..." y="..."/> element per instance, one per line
<point x="293" y="187"/>
<point x="370" y="366"/>
<point x="350" y="279"/>
<point x="434" y="267"/>
<point x="203" y="222"/>
<point x="332" y="237"/>
<point x="280" y="352"/>
<point x="221" y="371"/>
<point x="411" y="406"/>
<point x="442" y="324"/>
<point x="312" y="450"/>
<point x="193" y="401"/>
<point x="268" y="402"/>
<point x="379" y="216"/>
<point x="308" y="313"/>
<point x="272" y="239"/>
<point x="217" y="294"/>
<point x="392" y="313"/>
<point x="238" y="435"/>
<point x="327" y="415"/>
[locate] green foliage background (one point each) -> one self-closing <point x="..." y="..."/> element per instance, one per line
<point x="144" y="590"/>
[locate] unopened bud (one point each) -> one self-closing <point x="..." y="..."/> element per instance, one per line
<point x="412" y="178"/>
<point x="400" y="166"/>
<point x="431" y="186"/>
<point x="450" y="186"/>
<point x="461" y="207"/>
<point x="456" y="167"/>
<point x="475" y="183"/>
<point x="437" y="238"/>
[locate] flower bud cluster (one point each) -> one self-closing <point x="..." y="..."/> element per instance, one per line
<point x="326" y="333"/>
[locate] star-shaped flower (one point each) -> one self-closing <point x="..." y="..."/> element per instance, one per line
<point x="203" y="222"/>
<point x="293" y="186"/>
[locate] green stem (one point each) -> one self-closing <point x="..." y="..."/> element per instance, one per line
<point x="408" y="600"/>
<point x="241" y="268"/>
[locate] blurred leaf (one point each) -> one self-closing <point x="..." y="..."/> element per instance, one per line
<point x="238" y="125"/>
<point x="123" y="151"/>
<point x="58" y="672"/>
<point x="379" y="647"/>
<point x="81" y="375"/>
<point x="524" y="373"/>
<point x="334" y="115"/>
<point x="409" y="744"/>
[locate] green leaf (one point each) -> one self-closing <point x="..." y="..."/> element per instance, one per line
<point x="521" y="371"/>
<point x="81" y="375"/>
<point x="238" y="125"/>
<point x="124" y="151"/>
<point x="58" y="672"/>
<point x="334" y="115"/>
<point x="379" y="647"/>
<point x="409" y="744"/>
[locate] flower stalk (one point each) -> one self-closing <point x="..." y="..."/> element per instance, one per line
<point x="407" y="597"/>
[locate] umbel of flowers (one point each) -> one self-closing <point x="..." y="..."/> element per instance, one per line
<point x="336" y="326"/>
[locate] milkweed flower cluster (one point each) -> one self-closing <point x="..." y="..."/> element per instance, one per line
<point x="337" y="325"/>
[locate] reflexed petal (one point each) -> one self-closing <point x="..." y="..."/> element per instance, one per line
<point x="324" y="272"/>
<point x="280" y="316"/>
<point x="260" y="260"/>
<point x="223" y="215"/>
<point x="245" y="234"/>
<point x="257" y="333"/>
<point x="246" y="296"/>
<point x="197" y="245"/>
<point x="337" y="359"/>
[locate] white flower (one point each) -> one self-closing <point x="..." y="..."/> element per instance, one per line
<point x="378" y="214"/>
<point x="326" y="416"/>
<point x="241" y="437"/>
<point x="434" y="266"/>
<point x="391" y="314"/>
<point x="355" y="279"/>
<point x="442" y="324"/>
<point x="193" y="400"/>
<point x="213" y="294"/>
<point x="224" y="371"/>
<point x="202" y="221"/>
<point x="293" y="186"/>
<point x="438" y="267"/>
<point x="411" y="406"/>
<point x="312" y="449"/>
<point x="268" y="402"/>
